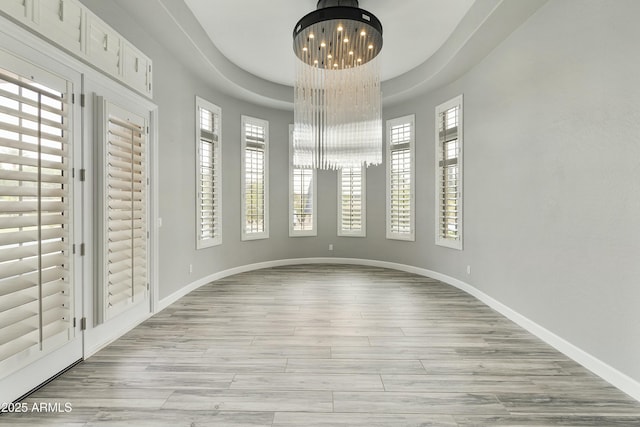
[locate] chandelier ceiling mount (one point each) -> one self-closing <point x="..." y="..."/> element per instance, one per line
<point x="337" y="35"/>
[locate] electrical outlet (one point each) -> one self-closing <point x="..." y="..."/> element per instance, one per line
<point x="330" y="246"/>
<point x="190" y="268"/>
<point x="468" y="269"/>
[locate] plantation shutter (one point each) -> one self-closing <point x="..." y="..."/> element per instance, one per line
<point x="255" y="179"/>
<point x="35" y="215"/>
<point x="209" y="227"/>
<point x="401" y="186"/>
<point x="449" y="174"/>
<point x="351" y="208"/>
<point x="125" y="210"/>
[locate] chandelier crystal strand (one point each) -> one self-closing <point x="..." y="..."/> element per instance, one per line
<point x="337" y="117"/>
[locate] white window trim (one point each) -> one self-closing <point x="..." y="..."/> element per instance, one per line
<point x="314" y="200"/>
<point x="449" y="243"/>
<point x="363" y="220"/>
<point x="264" y="123"/>
<point x="411" y="119"/>
<point x="206" y="243"/>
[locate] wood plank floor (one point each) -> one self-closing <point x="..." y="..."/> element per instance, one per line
<point x="330" y="345"/>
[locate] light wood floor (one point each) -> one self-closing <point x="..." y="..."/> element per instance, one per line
<point x="330" y="346"/>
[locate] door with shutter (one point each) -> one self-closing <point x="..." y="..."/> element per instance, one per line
<point x="40" y="295"/>
<point x="123" y="250"/>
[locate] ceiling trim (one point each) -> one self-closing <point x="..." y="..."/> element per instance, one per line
<point x="485" y="25"/>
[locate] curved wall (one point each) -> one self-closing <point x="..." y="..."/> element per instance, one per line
<point x="552" y="120"/>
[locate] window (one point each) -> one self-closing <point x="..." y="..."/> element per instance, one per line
<point x="400" y="178"/>
<point x="124" y="209"/>
<point x="255" y="178"/>
<point x="302" y="197"/>
<point x="208" y="180"/>
<point x="449" y="174"/>
<point x="352" y="219"/>
<point x="36" y="221"/>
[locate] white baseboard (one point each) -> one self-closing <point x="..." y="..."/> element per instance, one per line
<point x="98" y="337"/>
<point x="595" y="365"/>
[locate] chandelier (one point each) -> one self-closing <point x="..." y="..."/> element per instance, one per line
<point x="337" y="98"/>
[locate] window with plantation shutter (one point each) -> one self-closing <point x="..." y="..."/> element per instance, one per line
<point x="352" y="202"/>
<point x="302" y="197"/>
<point x="208" y="209"/>
<point x="255" y="178"/>
<point x="400" y="178"/>
<point x="449" y="174"/>
<point x="36" y="301"/>
<point x="124" y="209"/>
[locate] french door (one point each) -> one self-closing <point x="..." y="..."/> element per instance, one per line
<point x="40" y="271"/>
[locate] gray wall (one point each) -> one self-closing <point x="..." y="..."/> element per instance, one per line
<point x="552" y="149"/>
<point x="552" y="121"/>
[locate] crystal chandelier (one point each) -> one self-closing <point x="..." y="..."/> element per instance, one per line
<point x="337" y="99"/>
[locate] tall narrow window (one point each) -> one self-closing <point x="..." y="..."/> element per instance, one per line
<point x="400" y="178"/>
<point x="36" y="292"/>
<point x="209" y="197"/>
<point x="302" y="197"/>
<point x="352" y="218"/>
<point x="255" y="178"/>
<point x="449" y="174"/>
<point x="124" y="209"/>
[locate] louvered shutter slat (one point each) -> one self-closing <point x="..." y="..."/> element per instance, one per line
<point x="20" y="237"/>
<point x="21" y="130"/>
<point x="119" y="297"/>
<point x="119" y="285"/>
<point x="15" y="330"/>
<point x="17" y="114"/>
<point x="16" y="175"/>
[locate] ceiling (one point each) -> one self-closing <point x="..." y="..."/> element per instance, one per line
<point x="243" y="48"/>
<point x="256" y="35"/>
